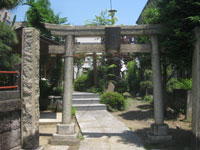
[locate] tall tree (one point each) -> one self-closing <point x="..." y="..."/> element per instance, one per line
<point x="9" y="4"/>
<point x="8" y="38"/>
<point x="39" y="13"/>
<point x="114" y="65"/>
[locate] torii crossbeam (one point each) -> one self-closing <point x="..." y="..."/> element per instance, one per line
<point x="159" y="129"/>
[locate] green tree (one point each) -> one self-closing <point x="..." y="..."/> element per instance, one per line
<point x="105" y="18"/>
<point x="40" y="13"/>
<point x="8" y="38"/>
<point x="9" y="4"/>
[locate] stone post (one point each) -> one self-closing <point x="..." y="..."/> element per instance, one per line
<point x="30" y="88"/>
<point x="66" y="131"/>
<point x="68" y="78"/>
<point x="196" y="92"/>
<point x="159" y="130"/>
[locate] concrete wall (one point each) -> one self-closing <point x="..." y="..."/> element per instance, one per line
<point x="10" y="114"/>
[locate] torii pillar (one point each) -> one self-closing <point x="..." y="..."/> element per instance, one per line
<point x="159" y="130"/>
<point x="66" y="134"/>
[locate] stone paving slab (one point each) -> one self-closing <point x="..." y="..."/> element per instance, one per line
<point x="102" y="131"/>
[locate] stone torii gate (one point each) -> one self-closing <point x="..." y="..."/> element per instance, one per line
<point x="66" y="131"/>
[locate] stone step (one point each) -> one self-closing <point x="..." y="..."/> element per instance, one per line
<point x="76" y="95"/>
<point x="90" y="106"/>
<point x="86" y="101"/>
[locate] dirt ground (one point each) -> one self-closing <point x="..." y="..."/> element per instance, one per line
<point x="139" y="116"/>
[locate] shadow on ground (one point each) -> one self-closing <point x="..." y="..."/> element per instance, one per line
<point x="47" y="115"/>
<point x="181" y="139"/>
<point x="144" y="114"/>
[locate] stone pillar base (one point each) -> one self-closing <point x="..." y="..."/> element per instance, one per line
<point x="69" y="140"/>
<point x="159" y="133"/>
<point x="65" y="135"/>
<point x="66" y="129"/>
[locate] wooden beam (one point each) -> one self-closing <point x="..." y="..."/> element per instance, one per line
<point x="63" y="30"/>
<point x="99" y="48"/>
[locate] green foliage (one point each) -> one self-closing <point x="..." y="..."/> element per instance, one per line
<point x="178" y="36"/>
<point x="114" y="101"/>
<point x="73" y="111"/>
<point x="105" y="18"/>
<point x="182" y="84"/>
<point x="8" y="38"/>
<point x="133" y="77"/>
<point x="57" y="91"/>
<point x="81" y="83"/>
<point x="151" y="16"/>
<point x="40" y="13"/>
<point x="9" y="4"/>
<point x="57" y="72"/>
<point x="148" y="98"/>
<point x="44" y="88"/>
<point x="121" y="86"/>
<point x="146" y="86"/>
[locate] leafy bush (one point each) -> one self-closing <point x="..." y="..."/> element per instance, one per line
<point x="176" y="84"/>
<point x="58" y="91"/>
<point x="113" y="100"/>
<point x="133" y="77"/>
<point x="148" y="98"/>
<point x="81" y="83"/>
<point x="121" y="86"/>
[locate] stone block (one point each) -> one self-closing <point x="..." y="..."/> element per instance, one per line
<point x="66" y="129"/>
<point x="159" y="133"/>
<point x="159" y="138"/>
<point x="10" y="105"/>
<point x="111" y="87"/>
<point x="69" y="140"/>
<point x="159" y="130"/>
<point x="10" y="140"/>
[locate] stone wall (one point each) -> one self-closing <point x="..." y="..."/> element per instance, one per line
<point x="10" y="122"/>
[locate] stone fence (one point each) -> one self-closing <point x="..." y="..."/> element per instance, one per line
<point x="10" y="120"/>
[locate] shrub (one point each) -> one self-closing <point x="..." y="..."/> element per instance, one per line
<point x="133" y="77"/>
<point x="148" y="98"/>
<point x="58" y="91"/>
<point x="113" y="100"/>
<point x="176" y="84"/>
<point x="121" y="86"/>
<point x="81" y="83"/>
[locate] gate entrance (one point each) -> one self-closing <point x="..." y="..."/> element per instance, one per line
<point x="112" y="35"/>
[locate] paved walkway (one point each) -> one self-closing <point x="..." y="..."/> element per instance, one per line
<point x="102" y="131"/>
